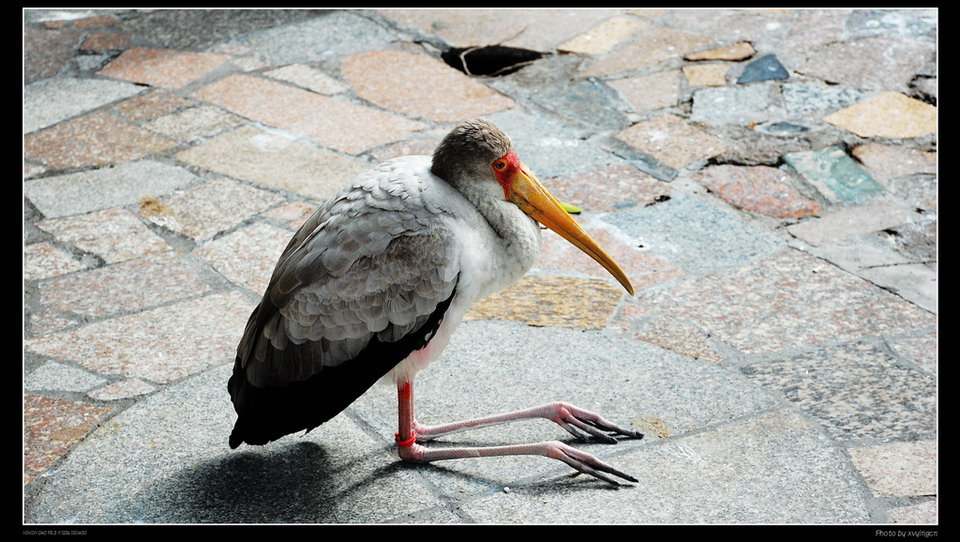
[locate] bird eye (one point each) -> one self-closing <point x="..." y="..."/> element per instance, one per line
<point x="500" y="165"/>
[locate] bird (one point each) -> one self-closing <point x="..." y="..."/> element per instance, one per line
<point x="374" y="283"/>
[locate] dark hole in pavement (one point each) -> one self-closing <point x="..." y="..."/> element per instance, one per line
<point x="492" y="60"/>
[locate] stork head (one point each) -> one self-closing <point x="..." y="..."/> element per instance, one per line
<point x="479" y="149"/>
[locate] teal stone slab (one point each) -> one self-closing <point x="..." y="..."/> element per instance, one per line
<point x="834" y="174"/>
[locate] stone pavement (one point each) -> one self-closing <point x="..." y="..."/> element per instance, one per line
<point x="766" y="177"/>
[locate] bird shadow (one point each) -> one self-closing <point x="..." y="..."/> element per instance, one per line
<point x="292" y="483"/>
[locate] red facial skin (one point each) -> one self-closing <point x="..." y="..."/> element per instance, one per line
<point x="504" y="169"/>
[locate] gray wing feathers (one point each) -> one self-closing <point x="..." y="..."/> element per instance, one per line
<point x="375" y="261"/>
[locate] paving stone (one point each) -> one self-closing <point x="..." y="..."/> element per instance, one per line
<point x="681" y="337"/>
<point x="909" y="23"/>
<point x="59" y="377"/>
<point x="51" y="427"/>
<point x="44" y="260"/>
<point x="851" y="221"/>
<point x="603" y="37"/>
<point x="920" y="350"/>
<point x="587" y="102"/>
<point x="411" y="146"/>
<point x="536" y="29"/>
<point x="706" y="75"/>
<point x="43" y="321"/>
<point x="872" y="63"/>
<point x="165" y="68"/>
<point x="923" y="513"/>
<point x="608" y="189"/>
<point x="130" y="286"/>
<point x="875" y="259"/>
<point x="891" y="161"/>
<point x="643" y="269"/>
<point x="650" y="92"/>
<point x="247" y="256"/>
<point x="762" y="189"/>
<point x="277" y="160"/>
<point x="789" y="300"/>
<point x="763" y="69"/>
<point x="333" y="123"/>
<point x="308" y="78"/>
<point x="714" y="477"/>
<point x="114" y="234"/>
<point x="669" y="139"/>
<point x="331" y="35"/>
<point x="203" y="211"/>
<point x="741" y="50"/>
<point x="740" y="105"/>
<point x="46" y="52"/>
<point x="694" y="236"/>
<point x="97" y="139"/>
<point x="125" y="389"/>
<point x="294" y="213"/>
<point x="194" y="123"/>
<point x="645" y="48"/>
<point x="544" y="300"/>
<point x="898" y="469"/>
<point x="856" y="391"/>
<point x="95" y="21"/>
<point x="150" y="105"/>
<point x="549" y="149"/>
<point x="160" y="345"/>
<point x="834" y="174"/>
<point x="106" y="42"/>
<point x="50" y="101"/>
<point x="809" y="96"/>
<point x="890" y="114"/>
<point x="429" y="88"/>
<point x="87" y="191"/>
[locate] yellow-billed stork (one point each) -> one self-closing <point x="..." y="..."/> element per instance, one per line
<point x="378" y="278"/>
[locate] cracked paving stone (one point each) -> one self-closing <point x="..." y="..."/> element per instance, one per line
<point x="51" y="427"/>
<point x="160" y="345"/>
<point x="608" y="189"/>
<point x="113" y="234"/>
<point x="834" y="174"/>
<point x="762" y="189"/>
<point x="872" y="63"/>
<point x="44" y="260"/>
<point x="789" y="300"/>
<point x="856" y="391"/>
<point x="166" y="68"/>
<point x="97" y="139"/>
<point x="552" y="301"/>
<point x="898" y="469"/>
<point x="429" y="88"/>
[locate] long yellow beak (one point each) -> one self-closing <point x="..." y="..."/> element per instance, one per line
<point x="531" y="197"/>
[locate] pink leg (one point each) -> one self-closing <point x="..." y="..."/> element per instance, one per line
<point x="563" y="414"/>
